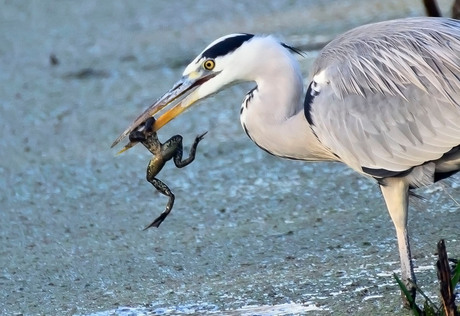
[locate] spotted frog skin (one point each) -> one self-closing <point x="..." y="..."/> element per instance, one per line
<point x="162" y="152"/>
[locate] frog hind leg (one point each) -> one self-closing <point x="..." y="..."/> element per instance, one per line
<point x="162" y="188"/>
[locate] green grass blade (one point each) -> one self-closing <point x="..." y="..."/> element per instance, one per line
<point x="427" y="299"/>
<point x="456" y="276"/>
<point x="429" y="310"/>
<point x="407" y="294"/>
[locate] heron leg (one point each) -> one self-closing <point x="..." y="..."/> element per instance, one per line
<point x="396" y="194"/>
<point x="178" y="155"/>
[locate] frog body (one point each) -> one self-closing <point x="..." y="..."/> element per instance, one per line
<point x="162" y="153"/>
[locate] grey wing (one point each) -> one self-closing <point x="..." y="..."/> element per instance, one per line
<point x="385" y="98"/>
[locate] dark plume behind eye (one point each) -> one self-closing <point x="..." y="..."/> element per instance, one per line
<point x="226" y="46"/>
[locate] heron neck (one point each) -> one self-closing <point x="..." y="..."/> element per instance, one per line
<point x="272" y="116"/>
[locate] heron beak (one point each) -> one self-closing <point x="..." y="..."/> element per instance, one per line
<point x="180" y="96"/>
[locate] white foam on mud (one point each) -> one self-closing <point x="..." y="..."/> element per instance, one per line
<point x="209" y="309"/>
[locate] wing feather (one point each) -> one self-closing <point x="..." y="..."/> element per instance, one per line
<point x="390" y="94"/>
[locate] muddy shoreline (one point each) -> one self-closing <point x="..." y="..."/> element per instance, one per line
<point x="247" y="228"/>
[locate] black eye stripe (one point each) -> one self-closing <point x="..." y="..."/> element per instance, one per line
<point x="226" y="46"/>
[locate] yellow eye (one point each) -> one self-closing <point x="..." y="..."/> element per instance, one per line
<point x="209" y="64"/>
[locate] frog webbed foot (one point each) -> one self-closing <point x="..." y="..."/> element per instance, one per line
<point x="161" y="218"/>
<point x="157" y="221"/>
<point x="199" y="138"/>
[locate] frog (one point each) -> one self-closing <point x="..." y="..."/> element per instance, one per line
<point x="162" y="153"/>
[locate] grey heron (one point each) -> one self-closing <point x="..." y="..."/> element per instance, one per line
<point x="382" y="98"/>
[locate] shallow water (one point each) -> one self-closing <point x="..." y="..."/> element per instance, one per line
<point x="249" y="233"/>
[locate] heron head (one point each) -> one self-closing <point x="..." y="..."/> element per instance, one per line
<point x="225" y="61"/>
<point x="208" y="73"/>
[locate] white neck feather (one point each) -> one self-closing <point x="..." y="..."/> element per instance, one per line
<point x="273" y="116"/>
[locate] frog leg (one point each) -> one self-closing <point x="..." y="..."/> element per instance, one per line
<point x="153" y="169"/>
<point x="178" y="155"/>
<point x="163" y="188"/>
